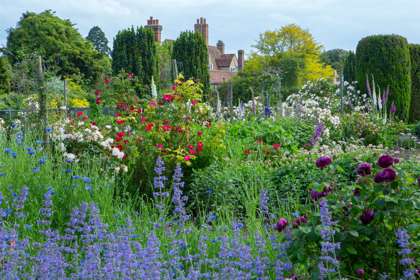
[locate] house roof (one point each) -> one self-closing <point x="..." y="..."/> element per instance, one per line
<point x="225" y="60"/>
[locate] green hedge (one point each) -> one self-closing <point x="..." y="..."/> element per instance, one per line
<point x="349" y="71"/>
<point x="387" y="58"/>
<point x="415" y="82"/>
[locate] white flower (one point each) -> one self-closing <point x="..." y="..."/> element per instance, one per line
<point x="117" y="153"/>
<point x="69" y="157"/>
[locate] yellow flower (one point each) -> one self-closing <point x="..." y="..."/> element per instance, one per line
<point x="79" y="103"/>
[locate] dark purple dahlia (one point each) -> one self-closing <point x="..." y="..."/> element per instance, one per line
<point x="386" y="175"/>
<point x="281" y="224"/>
<point x="315" y="195"/>
<point x="367" y="216"/>
<point x="385" y="161"/>
<point x="360" y="272"/>
<point x="323" y="162"/>
<point x="364" y="169"/>
<point x="357" y="191"/>
<point x="300" y="220"/>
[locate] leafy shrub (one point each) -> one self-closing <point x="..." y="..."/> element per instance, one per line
<point x="229" y="185"/>
<point x="387" y="59"/>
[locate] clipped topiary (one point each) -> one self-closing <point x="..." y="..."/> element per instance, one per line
<point x="415" y="82"/>
<point x="387" y="59"/>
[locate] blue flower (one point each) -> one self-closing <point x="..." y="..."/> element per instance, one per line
<point x="75" y="177"/>
<point x="36" y="169"/>
<point x="2" y="174"/>
<point x="13" y="154"/>
<point x="30" y="151"/>
<point x="86" y="180"/>
<point x="48" y="129"/>
<point x="88" y="188"/>
<point x="42" y="160"/>
<point x="68" y="170"/>
<point x="8" y="150"/>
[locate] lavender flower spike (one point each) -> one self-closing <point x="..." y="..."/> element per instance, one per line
<point x="328" y="262"/>
<point x="178" y="198"/>
<point x="403" y="240"/>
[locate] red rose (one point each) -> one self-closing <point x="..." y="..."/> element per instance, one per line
<point x="79" y="114"/>
<point x="194" y="102"/>
<point x="168" y="97"/>
<point x="166" y="127"/>
<point x="276" y="146"/>
<point x="200" y="146"/>
<point x="107" y="81"/>
<point x="174" y="87"/>
<point x="119" y="121"/>
<point x="159" y="146"/>
<point x="149" y="126"/>
<point x="98" y="101"/>
<point x="192" y="151"/>
<point x="98" y="92"/>
<point x="200" y="133"/>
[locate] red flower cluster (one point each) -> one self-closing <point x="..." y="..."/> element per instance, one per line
<point x="168" y="98"/>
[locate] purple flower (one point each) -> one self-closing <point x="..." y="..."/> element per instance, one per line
<point x="418" y="181"/>
<point x="387" y="175"/>
<point x="364" y="169"/>
<point x="315" y="195"/>
<point x="319" y="130"/>
<point x="281" y="224"/>
<point x="385" y="161"/>
<point x="178" y="199"/>
<point x="367" y="216"/>
<point x="328" y="263"/>
<point x="360" y="272"/>
<point x="403" y="240"/>
<point x="323" y="162"/>
<point x="357" y="191"/>
<point x="300" y="220"/>
<point x="393" y="108"/>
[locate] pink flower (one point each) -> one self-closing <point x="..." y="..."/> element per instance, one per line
<point x="187" y="158"/>
<point x="281" y="224"/>
<point x="276" y="146"/>
<point x="168" y="97"/>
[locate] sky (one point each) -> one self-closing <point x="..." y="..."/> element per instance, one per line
<point x="333" y="23"/>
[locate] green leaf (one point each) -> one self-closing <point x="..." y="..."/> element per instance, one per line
<point x="354" y="233"/>
<point x="351" y="250"/>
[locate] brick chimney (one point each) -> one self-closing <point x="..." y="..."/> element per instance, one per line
<point x="153" y="24"/>
<point x="202" y="27"/>
<point x="221" y="46"/>
<point x="241" y="59"/>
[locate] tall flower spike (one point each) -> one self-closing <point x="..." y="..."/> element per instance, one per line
<point x="328" y="264"/>
<point x="159" y="183"/>
<point x="178" y="198"/>
<point x="403" y="240"/>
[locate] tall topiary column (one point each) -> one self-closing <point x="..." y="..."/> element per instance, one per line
<point x="387" y="58"/>
<point x="415" y="82"/>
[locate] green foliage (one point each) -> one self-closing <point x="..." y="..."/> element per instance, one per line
<point x="5" y="74"/>
<point x="349" y="71"/>
<point x="134" y="51"/>
<point x="415" y="82"/>
<point x="164" y="52"/>
<point x="190" y="52"/>
<point x="61" y="46"/>
<point x="99" y="40"/>
<point x="336" y="58"/>
<point x="387" y="59"/>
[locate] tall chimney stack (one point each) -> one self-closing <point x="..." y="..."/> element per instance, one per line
<point x="241" y="59"/>
<point x="202" y="27"/>
<point x="154" y="25"/>
<point x="221" y="46"/>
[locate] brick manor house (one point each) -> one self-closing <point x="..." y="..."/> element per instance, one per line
<point x="222" y="66"/>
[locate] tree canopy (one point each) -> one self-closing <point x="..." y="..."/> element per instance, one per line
<point x="336" y="58"/>
<point x="134" y="50"/>
<point x="99" y="40"/>
<point x="190" y="52"/>
<point x="61" y="46"/>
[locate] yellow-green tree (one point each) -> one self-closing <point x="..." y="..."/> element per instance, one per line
<point x="291" y="41"/>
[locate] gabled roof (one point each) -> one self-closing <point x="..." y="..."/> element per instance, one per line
<point x="225" y="60"/>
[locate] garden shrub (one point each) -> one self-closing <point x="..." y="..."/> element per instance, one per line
<point x="387" y="59"/>
<point x="415" y="82"/>
<point x="229" y="185"/>
<point x="349" y="71"/>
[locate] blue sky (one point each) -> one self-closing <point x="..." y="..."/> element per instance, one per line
<point x="334" y="23"/>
